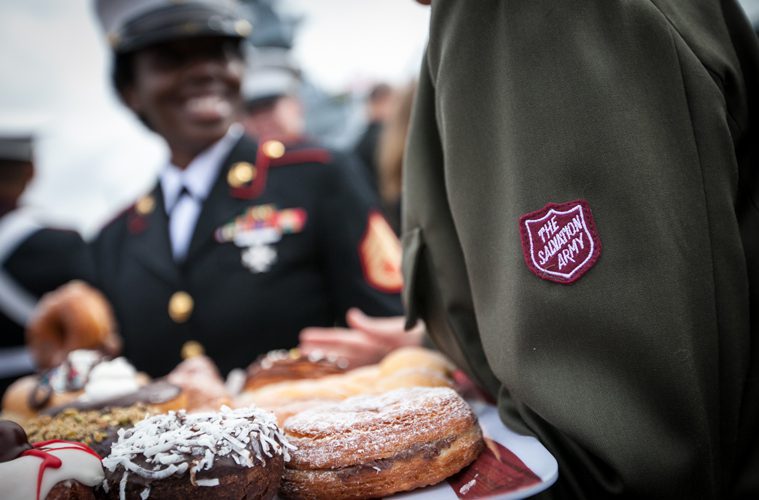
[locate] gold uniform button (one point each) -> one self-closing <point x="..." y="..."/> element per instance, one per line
<point x="192" y="349"/>
<point x="241" y="173"/>
<point x="273" y="149"/>
<point x="180" y="306"/>
<point x="145" y="205"/>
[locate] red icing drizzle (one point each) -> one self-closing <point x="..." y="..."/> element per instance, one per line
<point x="51" y="461"/>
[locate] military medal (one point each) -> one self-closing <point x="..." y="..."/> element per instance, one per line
<point x="259" y="258"/>
<point x="257" y="230"/>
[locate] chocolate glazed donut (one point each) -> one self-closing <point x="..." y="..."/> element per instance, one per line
<point x="374" y="446"/>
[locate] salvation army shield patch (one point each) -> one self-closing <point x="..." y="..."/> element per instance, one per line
<point x="560" y="242"/>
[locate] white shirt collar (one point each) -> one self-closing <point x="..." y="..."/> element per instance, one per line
<point x="200" y="174"/>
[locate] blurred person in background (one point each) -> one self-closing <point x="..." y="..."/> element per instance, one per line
<point x="272" y="107"/>
<point x="34" y="258"/>
<point x="240" y="245"/>
<point x="581" y="233"/>
<point x="390" y="150"/>
<point x="273" y="110"/>
<point x="379" y="103"/>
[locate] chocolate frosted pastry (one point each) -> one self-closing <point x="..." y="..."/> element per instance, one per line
<point x="281" y="365"/>
<point x="231" y="454"/>
<point x="48" y="470"/>
<point x="374" y="446"/>
<point x="96" y="428"/>
<point x="161" y="394"/>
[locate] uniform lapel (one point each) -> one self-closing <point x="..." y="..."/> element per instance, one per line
<point x="220" y="207"/>
<point x="151" y="245"/>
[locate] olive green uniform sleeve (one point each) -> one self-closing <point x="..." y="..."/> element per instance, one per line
<point x="637" y="375"/>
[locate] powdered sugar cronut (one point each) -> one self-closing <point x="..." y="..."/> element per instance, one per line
<point x="365" y="428"/>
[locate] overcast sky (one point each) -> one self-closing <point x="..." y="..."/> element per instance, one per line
<point x="93" y="157"/>
<point x="342" y="42"/>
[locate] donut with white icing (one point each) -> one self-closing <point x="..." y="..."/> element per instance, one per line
<point x="374" y="446"/>
<point x="85" y="375"/>
<point x="45" y="470"/>
<point x="230" y="454"/>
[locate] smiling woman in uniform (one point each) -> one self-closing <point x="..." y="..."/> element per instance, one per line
<point x="240" y="245"/>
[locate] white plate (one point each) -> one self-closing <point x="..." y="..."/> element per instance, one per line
<point x="528" y="449"/>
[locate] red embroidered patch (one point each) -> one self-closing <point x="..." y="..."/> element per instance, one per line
<point x="380" y="253"/>
<point x="560" y="242"/>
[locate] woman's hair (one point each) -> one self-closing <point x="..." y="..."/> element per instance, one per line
<point x="392" y="145"/>
<point x="14" y="177"/>
<point x="122" y="74"/>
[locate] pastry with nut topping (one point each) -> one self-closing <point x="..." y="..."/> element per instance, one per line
<point x="98" y="429"/>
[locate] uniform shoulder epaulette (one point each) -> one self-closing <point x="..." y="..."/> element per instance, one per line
<point x="282" y="153"/>
<point x="248" y="180"/>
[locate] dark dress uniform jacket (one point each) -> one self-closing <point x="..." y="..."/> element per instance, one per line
<point x="237" y="314"/>
<point x="642" y="376"/>
<point x="45" y="260"/>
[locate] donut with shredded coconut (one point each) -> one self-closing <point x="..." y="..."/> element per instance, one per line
<point x="230" y="454"/>
<point x="374" y="446"/>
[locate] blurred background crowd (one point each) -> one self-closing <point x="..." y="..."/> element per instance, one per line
<point x="93" y="157"/>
